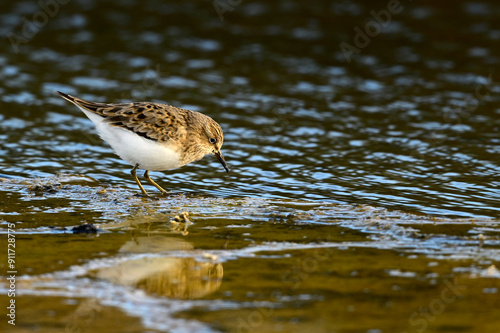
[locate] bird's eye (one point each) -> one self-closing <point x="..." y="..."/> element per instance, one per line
<point x="212" y="140"/>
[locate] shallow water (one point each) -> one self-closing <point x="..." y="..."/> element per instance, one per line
<point x="360" y="190"/>
<point x="241" y="265"/>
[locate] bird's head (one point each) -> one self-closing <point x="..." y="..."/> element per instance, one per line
<point x="213" y="141"/>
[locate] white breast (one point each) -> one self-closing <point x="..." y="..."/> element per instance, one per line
<point x="149" y="154"/>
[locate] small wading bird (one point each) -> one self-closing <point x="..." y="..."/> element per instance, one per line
<point x="153" y="136"/>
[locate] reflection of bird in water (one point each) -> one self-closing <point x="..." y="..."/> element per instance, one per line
<point x="155" y="244"/>
<point x="174" y="277"/>
<point x="189" y="280"/>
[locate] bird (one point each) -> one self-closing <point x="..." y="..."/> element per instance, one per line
<point x="154" y="136"/>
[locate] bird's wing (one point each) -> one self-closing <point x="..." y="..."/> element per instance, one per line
<point x="154" y="121"/>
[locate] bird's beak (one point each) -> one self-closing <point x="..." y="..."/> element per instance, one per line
<point x="221" y="159"/>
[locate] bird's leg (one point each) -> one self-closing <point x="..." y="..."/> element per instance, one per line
<point x="146" y="175"/>
<point x="137" y="180"/>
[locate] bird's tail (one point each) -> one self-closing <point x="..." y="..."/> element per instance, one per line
<point x="91" y="106"/>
